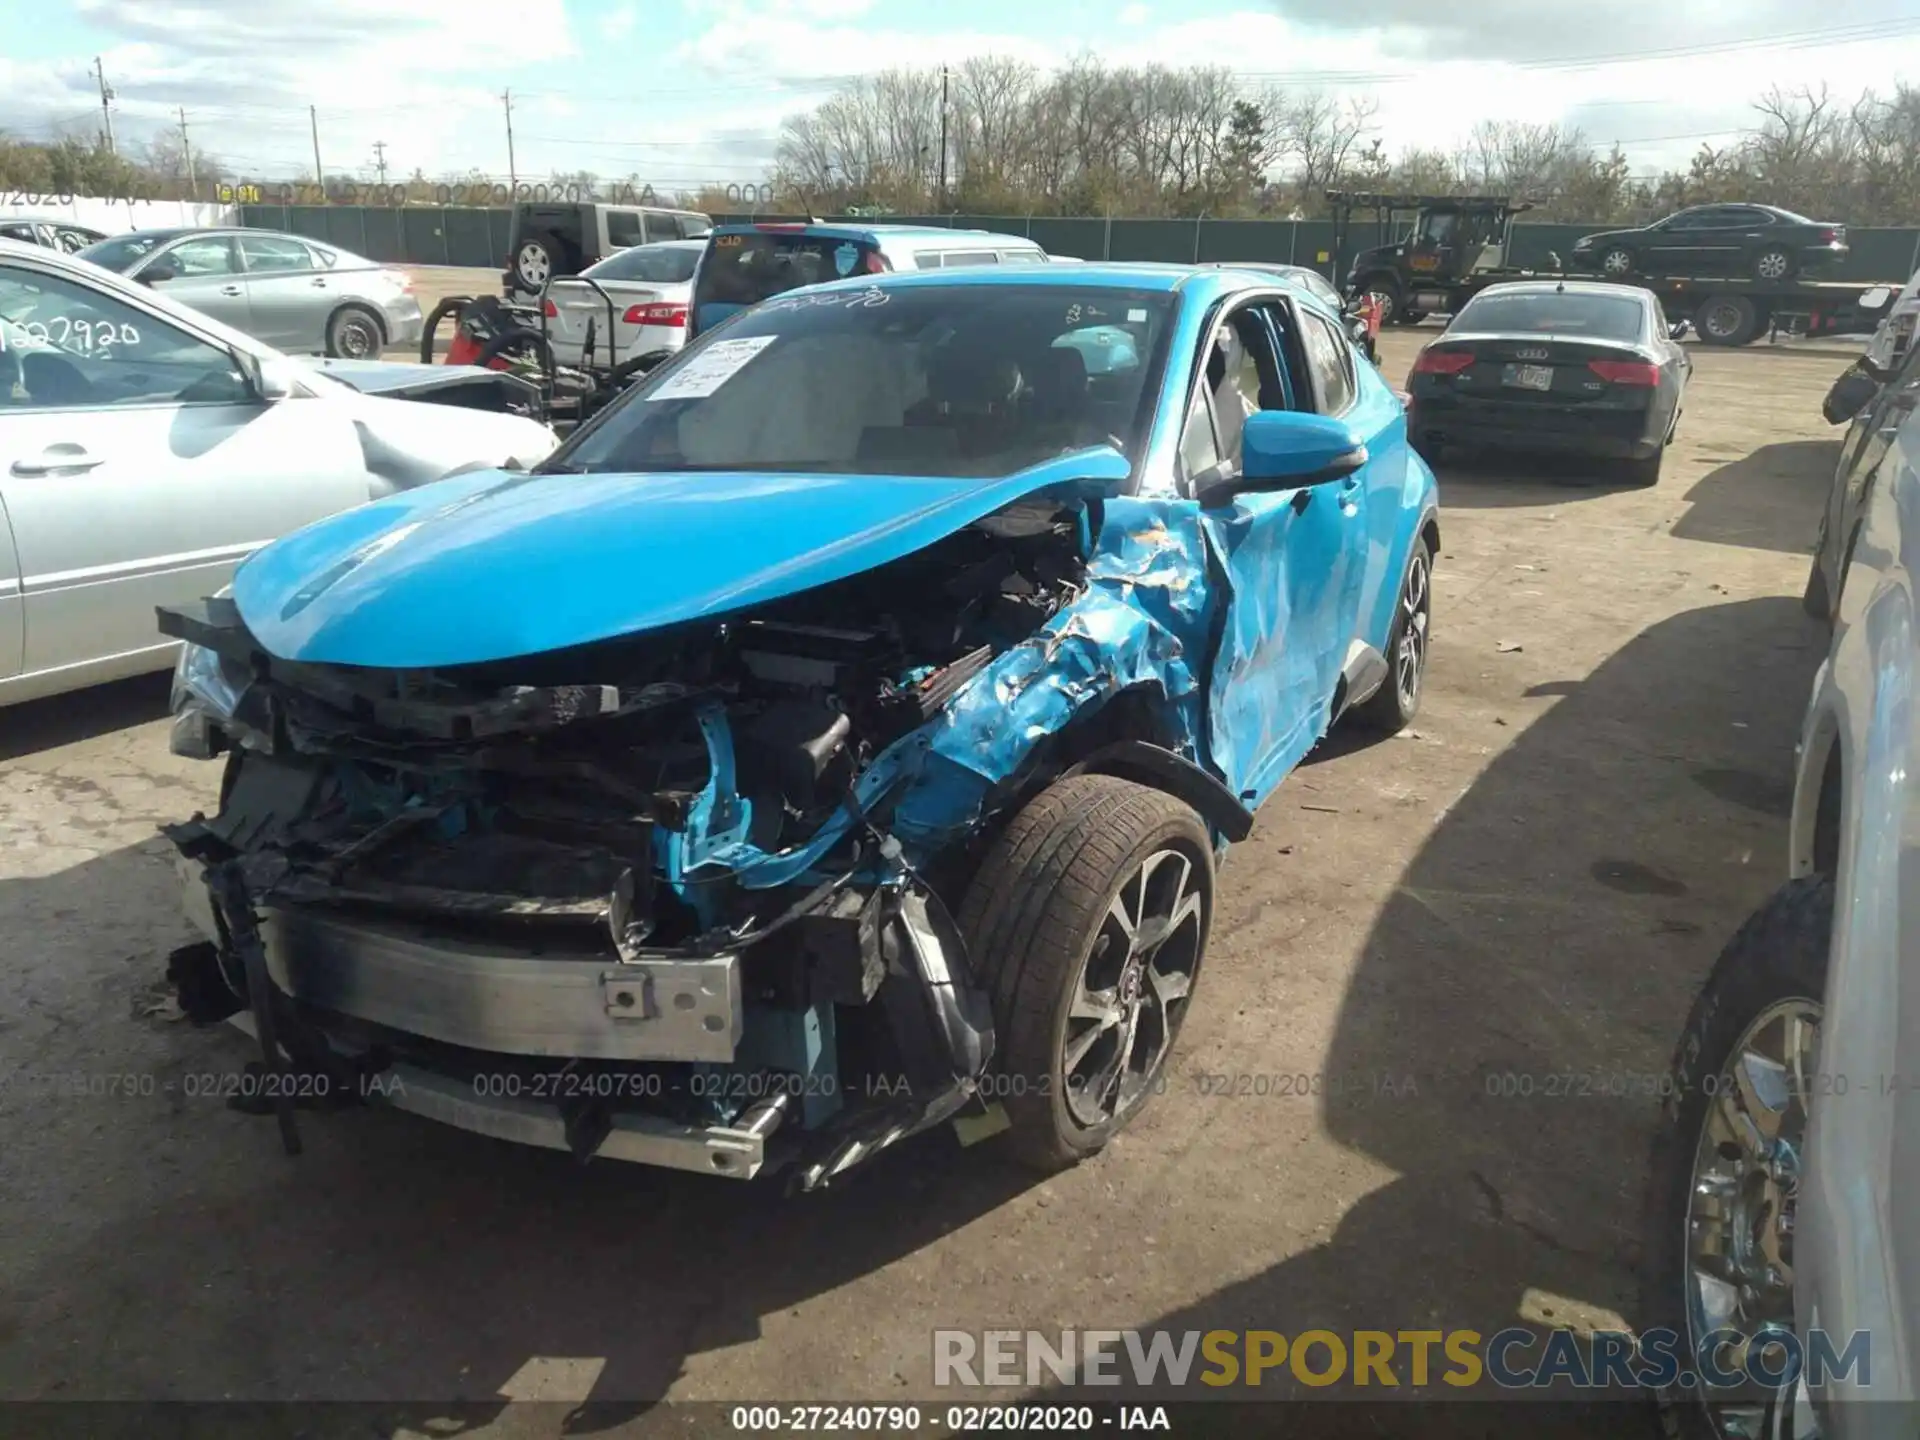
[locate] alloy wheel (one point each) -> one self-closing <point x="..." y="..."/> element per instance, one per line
<point x="1616" y="262"/>
<point x="1740" y="1210"/>
<point x="534" y="264"/>
<point x="1416" y="612"/>
<point x="1772" y="265"/>
<point x="1132" y="990"/>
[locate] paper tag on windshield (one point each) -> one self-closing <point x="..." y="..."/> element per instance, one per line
<point x="711" y="368"/>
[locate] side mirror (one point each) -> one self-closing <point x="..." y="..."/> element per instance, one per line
<point x="1850" y="394"/>
<point x="1678" y="329"/>
<point x="1876" y="298"/>
<point x="1287" y="450"/>
<point x="268" y="382"/>
<point x="159" y="270"/>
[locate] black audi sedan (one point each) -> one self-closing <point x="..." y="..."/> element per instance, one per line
<point x="1763" y="241"/>
<point x="1573" y="367"/>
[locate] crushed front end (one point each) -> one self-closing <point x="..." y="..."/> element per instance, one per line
<point x="673" y="898"/>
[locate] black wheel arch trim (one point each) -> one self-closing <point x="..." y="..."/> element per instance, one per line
<point x="1161" y="769"/>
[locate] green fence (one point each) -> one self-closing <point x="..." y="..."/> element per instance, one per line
<point x="430" y="235"/>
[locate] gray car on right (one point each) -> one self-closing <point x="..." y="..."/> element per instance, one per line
<point x="1783" y="1213"/>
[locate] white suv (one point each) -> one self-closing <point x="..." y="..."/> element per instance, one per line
<point x="1784" y="1207"/>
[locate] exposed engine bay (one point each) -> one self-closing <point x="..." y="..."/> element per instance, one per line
<point x="639" y="898"/>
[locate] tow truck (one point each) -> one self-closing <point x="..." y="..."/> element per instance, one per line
<point x="1457" y="245"/>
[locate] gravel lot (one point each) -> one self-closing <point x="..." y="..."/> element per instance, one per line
<point x="1531" y="883"/>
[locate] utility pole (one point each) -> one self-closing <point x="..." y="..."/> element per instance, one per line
<point x="106" y="94"/>
<point x="943" y="138"/>
<point x="380" y="159"/>
<point x="513" y="174"/>
<point x="186" y="149"/>
<point x="313" y="119"/>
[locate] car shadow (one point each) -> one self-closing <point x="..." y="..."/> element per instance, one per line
<point x="1491" y="480"/>
<point x="1771" y="499"/>
<point x="57" y="720"/>
<point x="178" y="1254"/>
<point x="1498" y="1050"/>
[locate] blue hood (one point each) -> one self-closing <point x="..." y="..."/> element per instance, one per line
<point x="494" y="564"/>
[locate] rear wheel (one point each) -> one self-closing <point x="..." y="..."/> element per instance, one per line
<point x="1727" y="320"/>
<point x="1719" y="1218"/>
<point x="1088" y="921"/>
<point x="1773" y="263"/>
<point x="1616" y="260"/>
<point x="1391" y="708"/>
<point x="355" y="333"/>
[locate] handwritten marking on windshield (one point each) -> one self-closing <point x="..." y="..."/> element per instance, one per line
<point x="861" y="300"/>
<point x="63" y="332"/>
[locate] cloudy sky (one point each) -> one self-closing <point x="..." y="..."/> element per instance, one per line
<point x="689" y="92"/>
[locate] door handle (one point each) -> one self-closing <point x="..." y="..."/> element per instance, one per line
<point x="229" y="289"/>
<point x="319" y="282"/>
<point x="74" y="459"/>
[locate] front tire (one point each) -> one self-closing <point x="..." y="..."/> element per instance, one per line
<point x="1616" y="262"/>
<point x="1088" y="922"/>
<point x="355" y="333"/>
<point x="1391" y="708"/>
<point x="1725" y="1175"/>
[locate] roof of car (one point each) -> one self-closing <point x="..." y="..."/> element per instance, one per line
<point x="857" y="230"/>
<point x="1568" y="287"/>
<point x="1205" y="283"/>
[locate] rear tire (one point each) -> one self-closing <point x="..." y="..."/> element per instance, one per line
<point x="1778" y="956"/>
<point x="1040" y="926"/>
<point x="355" y="333"/>
<point x="1773" y="263"/>
<point x="1727" y="320"/>
<point x="1391" y="708"/>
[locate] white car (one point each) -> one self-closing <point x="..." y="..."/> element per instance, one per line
<point x="1784" y="1209"/>
<point x="146" y="449"/>
<point x="634" y="312"/>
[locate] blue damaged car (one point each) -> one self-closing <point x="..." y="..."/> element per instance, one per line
<point x="833" y="740"/>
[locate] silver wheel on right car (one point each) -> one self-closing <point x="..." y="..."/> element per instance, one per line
<point x="1739" y="1224"/>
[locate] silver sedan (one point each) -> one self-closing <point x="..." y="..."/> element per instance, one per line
<point x="295" y="294"/>
<point x="145" y="450"/>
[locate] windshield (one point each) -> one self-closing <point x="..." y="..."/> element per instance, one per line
<point x="739" y="269"/>
<point x="123" y="251"/>
<point x="652" y="264"/>
<point x="1605" y="317"/>
<point x="942" y="380"/>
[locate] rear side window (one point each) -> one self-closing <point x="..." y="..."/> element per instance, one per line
<point x="1023" y="257"/>
<point x="623" y="228"/>
<point x="267" y="253"/>
<point x="1605" y="317"/>
<point x="969" y="257"/>
<point x="741" y="269"/>
<point x="652" y="264"/>
<point x="1331" y="360"/>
